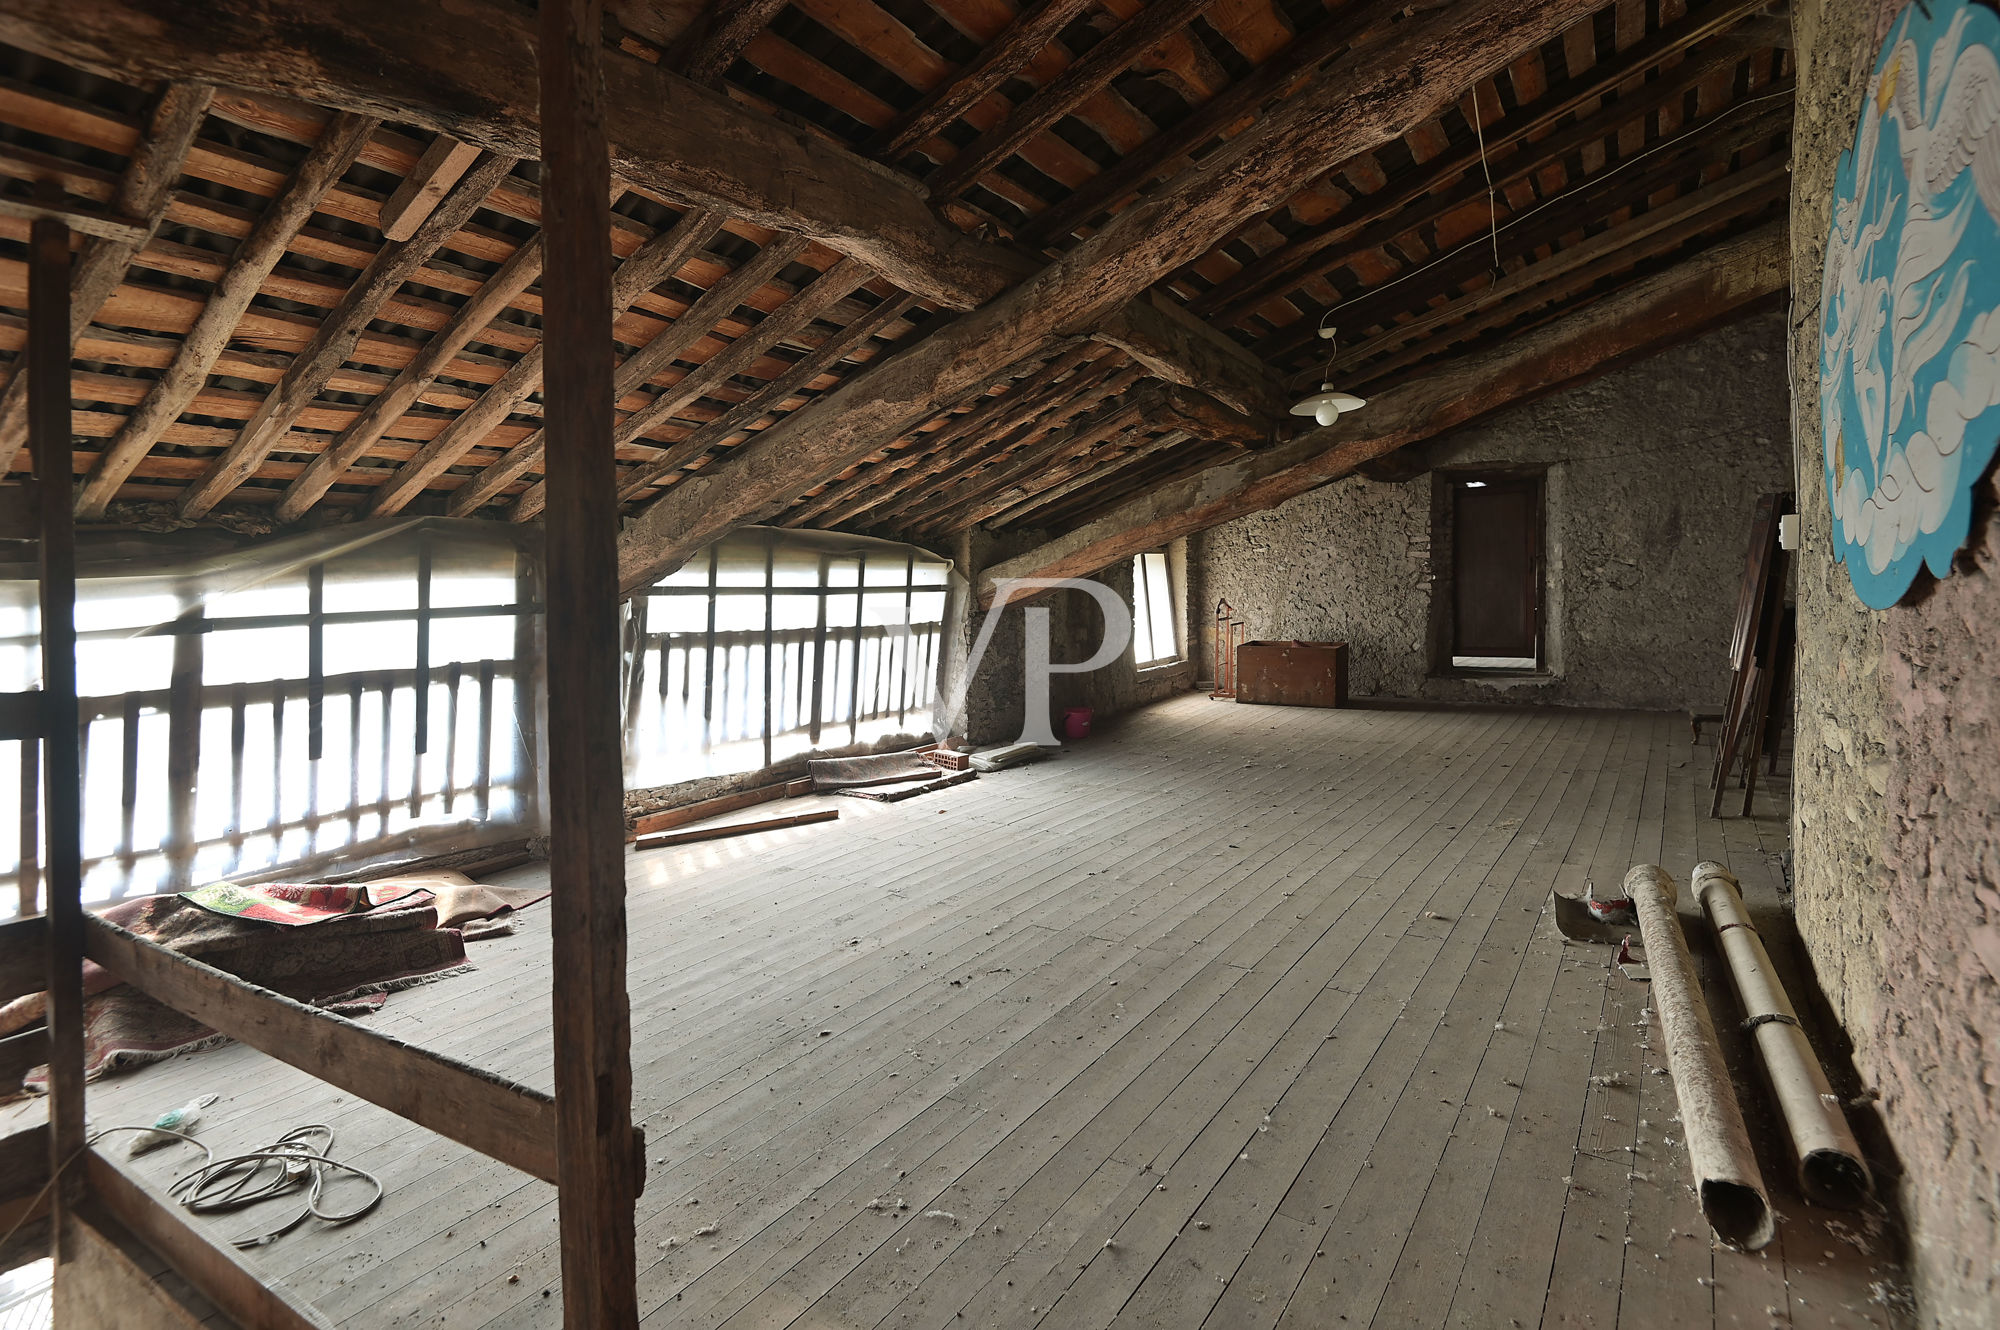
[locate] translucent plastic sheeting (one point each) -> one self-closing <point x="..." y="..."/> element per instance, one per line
<point x="248" y="706"/>
<point x="773" y="643"/>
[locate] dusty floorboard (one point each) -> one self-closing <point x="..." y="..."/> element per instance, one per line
<point x="1231" y="1017"/>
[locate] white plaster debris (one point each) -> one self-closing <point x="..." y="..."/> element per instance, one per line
<point x="946" y="1215"/>
<point x="707" y="1230"/>
<point x="1610" y="1080"/>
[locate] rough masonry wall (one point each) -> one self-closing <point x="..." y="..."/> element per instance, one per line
<point x="1652" y="475"/>
<point x="1898" y="786"/>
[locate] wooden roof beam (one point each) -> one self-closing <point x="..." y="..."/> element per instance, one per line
<point x="1418" y="201"/>
<point x="648" y="266"/>
<point x="999" y="60"/>
<point x="443" y="165"/>
<point x="1359" y="101"/>
<point x="1043" y="499"/>
<point x="255" y="258"/>
<point x="144" y="191"/>
<point x="474" y="79"/>
<point x="713" y="41"/>
<point x="1089" y="74"/>
<point x="353" y="443"/>
<point x="333" y="341"/>
<point x="1645" y="317"/>
<point x="738" y="418"/>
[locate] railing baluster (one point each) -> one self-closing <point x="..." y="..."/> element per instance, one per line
<point x="485" y="786"/>
<point x="30" y="880"/>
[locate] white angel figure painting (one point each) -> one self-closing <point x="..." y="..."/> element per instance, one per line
<point x="1909" y="373"/>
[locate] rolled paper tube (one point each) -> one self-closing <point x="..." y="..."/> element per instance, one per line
<point x="1726" y="1177"/>
<point x="1830" y="1168"/>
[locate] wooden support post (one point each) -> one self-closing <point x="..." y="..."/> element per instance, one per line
<point x="593" y="1073"/>
<point x="49" y="437"/>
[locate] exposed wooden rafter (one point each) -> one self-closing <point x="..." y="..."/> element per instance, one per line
<point x="143" y="194"/>
<point x="1638" y="320"/>
<point x="1357" y="102"/>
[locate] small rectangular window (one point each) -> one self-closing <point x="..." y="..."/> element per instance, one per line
<point x="1152" y="611"/>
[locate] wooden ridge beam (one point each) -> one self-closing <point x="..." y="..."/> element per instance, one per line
<point x="999" y="60"/>
<point x="144" y="191"/>
<point x="1708" y="289"/>
<point x="472" y="76"/>
<point x="253" y="261"/>
<point x="353" y="443"/>
<point x="1177" y="345"/>
<point x="443" y="165"/>
<point x="1361" y="100"/>
<point x="1417" y="201"/>
<point x="1089" y="74"/>
<point x="333" y="341"/>
<point x="649" y="265"/>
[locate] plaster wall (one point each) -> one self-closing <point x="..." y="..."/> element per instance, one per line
<point x="1652" y="473"/>
<point x="1898" y="782"/>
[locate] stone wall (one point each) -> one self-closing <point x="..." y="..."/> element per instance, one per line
<point x="1652" y="473"/>
<point x="995" y="699"/>
<point x="1898" y="785"/>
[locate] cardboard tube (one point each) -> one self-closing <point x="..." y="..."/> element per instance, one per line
<point x="1725" y="1168"/>
<point x="1830" y="1167"/>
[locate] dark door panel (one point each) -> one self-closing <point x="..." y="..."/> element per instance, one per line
<point x="1496" y="568"/>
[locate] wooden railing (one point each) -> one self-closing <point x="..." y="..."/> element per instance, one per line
<point x="719" y="688"/>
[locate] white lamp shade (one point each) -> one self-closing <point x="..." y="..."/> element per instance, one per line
<point x="1326" y="405"/>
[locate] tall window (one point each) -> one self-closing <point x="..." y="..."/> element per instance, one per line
<point x="342" y="691"/>
<point x="1152" y="611"/>
<point x="772" y="643"/>
<point x="1496" y="572"/>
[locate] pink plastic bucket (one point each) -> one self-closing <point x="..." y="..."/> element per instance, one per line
<point x="1076" y="723"/>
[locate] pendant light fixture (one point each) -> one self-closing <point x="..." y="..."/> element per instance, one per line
<point x="1329" y="403"/>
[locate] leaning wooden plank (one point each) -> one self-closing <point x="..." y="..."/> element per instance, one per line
<point x="695" y="812"/>
<point x="255" y="258"/>
<point x="333" y="341"/>
<point x="601" y="1174"/>
<point x="143" y="194"/>
<point x="216" y="1272"/>
<point x="443" y="164"/>
<point x="650" y="264"/>
<point x="1357" y="102"/>
<point x="511" y="1123"/>
<point x="736" y="829"/>
<point x="1679" y="303"/>
<point x="23" y="964"/>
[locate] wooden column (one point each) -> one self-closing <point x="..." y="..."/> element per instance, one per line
<point x="594" y="1141"/>
<point x="49" y="437"/>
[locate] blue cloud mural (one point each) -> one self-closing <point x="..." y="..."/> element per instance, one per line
<point x="1909" y="368"/>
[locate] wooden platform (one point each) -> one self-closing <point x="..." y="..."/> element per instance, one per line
<point x="1233" y="1017"/>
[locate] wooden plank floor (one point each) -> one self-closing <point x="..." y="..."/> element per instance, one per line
<point x="1231" y="1017"/>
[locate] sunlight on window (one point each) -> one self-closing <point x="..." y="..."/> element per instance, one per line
<point x="1152" y="611"/>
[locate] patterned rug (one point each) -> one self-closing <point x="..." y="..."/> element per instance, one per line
<point x="341" y="948"/>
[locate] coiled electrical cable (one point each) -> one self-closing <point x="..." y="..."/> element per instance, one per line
<point x="298" y="1160"/>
